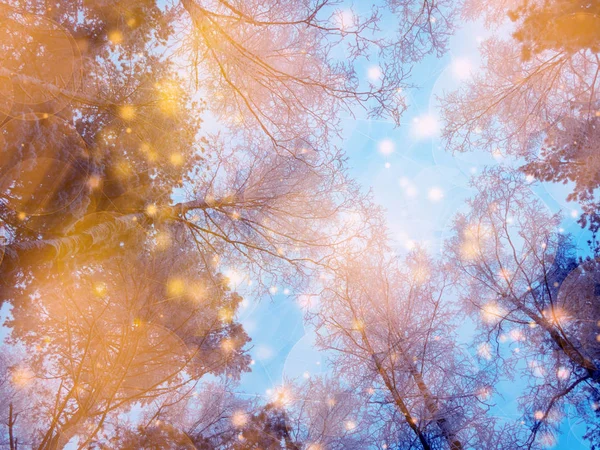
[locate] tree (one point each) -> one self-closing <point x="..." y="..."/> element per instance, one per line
<point x="115" y="98"/>
<point x="204" y="420"/>
<point x="116" y="201"/>
<point x="523" y="282"/>
<point x="12" y="404"/>
<point x="536" y="97"/>
<point x="392" y="330"/>
<point x="109" y="339"/>
<point x="562" y="26"/>
<point x="270" y="70"/>
<point x="266" y="430"/>
<point x="214" y="418"/>
<point x="326" y="412"/>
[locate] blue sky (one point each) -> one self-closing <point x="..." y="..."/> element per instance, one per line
<point x="421" y="186"/>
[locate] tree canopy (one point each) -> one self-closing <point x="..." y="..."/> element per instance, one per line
<point x="162" y="160"/>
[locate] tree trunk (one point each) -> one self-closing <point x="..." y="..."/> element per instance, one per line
<point x="396" y="395"/>
<point x="11" y="424"/>
<point x="442" y="423"/>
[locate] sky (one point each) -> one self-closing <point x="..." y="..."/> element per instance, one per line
<point x="421" y="186"/>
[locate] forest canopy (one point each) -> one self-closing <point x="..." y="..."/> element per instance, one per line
<point x="163" y="163"/>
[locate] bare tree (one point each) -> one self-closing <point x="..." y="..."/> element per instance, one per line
<point x="536" y="97"/>
<point x="108" y="339"/>
<point x="105" y="79"/>
<point x="328" y="413"/>
<point x="523" y="281"/>
<point x="391" y="327"/>
<point x="119" y="209"/>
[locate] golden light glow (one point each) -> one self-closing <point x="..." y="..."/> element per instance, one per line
<point x="209" y="200"/>
<point x="162" y="240"/>
<point x="470" y="249"/>
<point x="505" y="274"/>
<point x="175" y="287"/>
<point x="94" y="182"/>
<point x="100" y="289"/>
<point x="127" y="112"/>
<point x="124" y="298"/>
<point x="420" y="273"/>
<point x="474" y="238"/>
<point x="358" y="325"/>
<point x="115" y="37"/>
<point x="176" y="159"/>
<point x="22" y="376"/>
<point x="282" y="396"/>
<point x="124" y="168"/>
<point x="151" y="210"/>
<point x="228" y="345"/>
<point x="239" y="419"/>
<point x="196" y="291"/>
<point x="170" y="96"/>
<point x="226" y="315"/>
<point x="556" y="315"/>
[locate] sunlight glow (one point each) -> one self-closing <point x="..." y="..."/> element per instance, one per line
<point x="22" y="376"/>
<point x="374" y="73"/>
<point x="282" y="396"/>
<point x="344" y="19"/>
<point x="563" y="373"/>
<point x="386" y="147"/>
<point x="425" y="126"/>
<point x="239" y="419"/>
<point x="409" y="188"/>
<point x="492" y="313"/>
<point x="307" y="301"/>
<point x="127" y="112"/>
<point x="462" y="68"/>
<point x="435" y="194"/>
